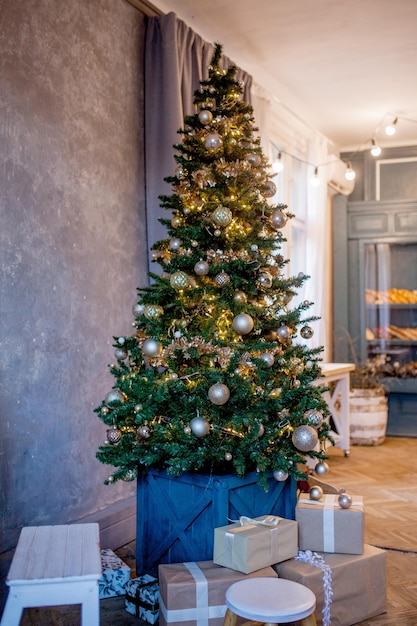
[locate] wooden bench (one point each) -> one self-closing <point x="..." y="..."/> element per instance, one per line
<point x="55" y="565"/>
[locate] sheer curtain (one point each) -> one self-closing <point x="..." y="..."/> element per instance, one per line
<point x="176" y="59"/>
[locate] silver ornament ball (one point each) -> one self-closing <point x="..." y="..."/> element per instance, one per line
<point x="268" y="358"/>
<point x="151" y="347"/>
<point x="222" y="279"/>
<point x="175" y="243"/>
<point x="143" y="432"/>
<point x="219" y="394"/>
<point x="314" y="417"/>
<point x="120" y="354"/>
<point x="269" y="189"/>
<point x="305" y="438"/>
<point x="114" y="435"/>
<point x="321" y="468"/>
<point x="278" y="219"/>
<point x="213" y="141"/>
<point x="137" y="309"/>
<point x="284" y="334"/>
<point x="242" y="324"/>
<point x="201" y="268"/>
<point x="264" y="280"/>
<point x="306" y="332"/>
<point x="345" y="501"/>
<point x="228" y="456"/>
<point x="254" y="159"/>
<point x="280" y="475"/>
<point x="199" y="426"/>
<point x="113" y="398"/>
<point x="316" y="493"/>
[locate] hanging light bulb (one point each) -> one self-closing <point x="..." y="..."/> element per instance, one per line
<point x="390" y="128"/>
<point x="349" y="174"/>
<point x="278" y="165"/>
<point x="375" y="150"/>
<point x="315" y="180"/>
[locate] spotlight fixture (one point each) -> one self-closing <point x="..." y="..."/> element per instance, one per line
<point x="349" y="174"/>
<point x="390" y="128"/>
<point x="278" y="165"/>
<point x="315" y="180"/>
<point x="375" y="150"/>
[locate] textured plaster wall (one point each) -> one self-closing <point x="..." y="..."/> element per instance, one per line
<point x="72" y="245"/>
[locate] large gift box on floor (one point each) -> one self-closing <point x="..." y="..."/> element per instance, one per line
<point x="358" y="583"/>
<point x="193" y="594"/>
<point x="115" y="575"/>
<point x="142" y="598"/>
<point x="251" y="544"/>
<point x="323" y="526"/>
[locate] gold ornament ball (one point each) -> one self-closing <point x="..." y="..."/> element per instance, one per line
<point x="219" y="394"/>
<point x="175" y="221"/>
<point x="179" y="280"/>
<point x="316" y="493"/>
<point x="305" y="438"/>
<point x="153" y="311"/>
<point x="242" y="324"/>
<point x="151" y="347"/>
<point x="222" y="216"/>
<point x="240" y="297"/>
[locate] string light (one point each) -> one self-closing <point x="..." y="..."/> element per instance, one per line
<point x="349" y="174"/>
<point x="390" y="128"/>
<point x="278" y="165"/>
<point x="375" y="150"/>
<point x="315" y="180"/>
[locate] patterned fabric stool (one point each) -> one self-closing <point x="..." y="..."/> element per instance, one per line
<point x="55" y="565"/>
<point x="269" y="601"/>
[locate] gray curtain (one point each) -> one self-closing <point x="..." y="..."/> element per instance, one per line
<point x="176" y="59"/>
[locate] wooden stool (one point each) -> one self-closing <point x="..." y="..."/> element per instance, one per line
<point x="269" y="601"/>
<point x="55" y="565"/>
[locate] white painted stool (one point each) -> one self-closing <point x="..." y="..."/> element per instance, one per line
<point x="269" y="601"/>
<point x="55" y="565"/>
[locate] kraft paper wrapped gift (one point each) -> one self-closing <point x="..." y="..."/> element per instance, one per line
<point x="115" y="575"/>
<point x="324" y="526"/>
<point x="358" y="583"/>
<point x="193" y="594"/>
<point x="142" y="598"/>
<point x="251" y="544"/>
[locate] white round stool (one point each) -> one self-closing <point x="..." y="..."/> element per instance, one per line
<point x="269" y="601"/>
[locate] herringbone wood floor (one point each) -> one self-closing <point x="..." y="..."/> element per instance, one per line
<point x="386" y="476"/>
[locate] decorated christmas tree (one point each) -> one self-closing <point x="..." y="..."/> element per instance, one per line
<point x="217" y="376"/>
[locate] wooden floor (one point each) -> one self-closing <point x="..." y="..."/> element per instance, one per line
<point x="386" y="476"/>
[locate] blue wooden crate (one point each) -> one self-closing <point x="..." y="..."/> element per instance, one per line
<point x="176" y="517"/>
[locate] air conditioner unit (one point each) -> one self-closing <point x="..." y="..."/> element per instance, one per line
<point x="336" y="180"/>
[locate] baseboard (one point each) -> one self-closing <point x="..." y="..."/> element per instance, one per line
<point x="117" y="523"/>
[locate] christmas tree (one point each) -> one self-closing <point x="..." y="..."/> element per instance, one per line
<point x="217" y="376"/>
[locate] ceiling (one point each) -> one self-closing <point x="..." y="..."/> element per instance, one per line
<point x="345" y="67"/>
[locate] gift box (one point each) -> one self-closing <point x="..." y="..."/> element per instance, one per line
<point x="193" y="594"/>
<point x="115" y="575"/>
<point x="323" y="526"/>
<point x="251" y="544"/>
<point x="357" y="584"/>
<point x="142" y="598"/>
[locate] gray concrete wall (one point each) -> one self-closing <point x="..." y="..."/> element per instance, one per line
<point x="72" y="247"/>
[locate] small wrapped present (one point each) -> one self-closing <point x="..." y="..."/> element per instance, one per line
<point x="324" y="526"/>
<point x="115" y="575"/>
<point x="142" y="598"/>
<point x="349" y="588"/>
<point x="193" y="594"/>
<point x="251" y="544"/>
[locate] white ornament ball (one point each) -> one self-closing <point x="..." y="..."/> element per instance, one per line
<point x="242" y="324"/>
<point x="268" y="358"/>
<point x="187" y="430"/>
<point x="151" y="347"/>
<point x="219" y="394"/>
<point x="199" y="426"/>
<point x="280" y="475"/>
<point x="305" y="438"/>
<point x="201" y="268"/>
<point x="316" y="493"/>
<point x="345" y="501"/>
<point x="213" y="141"/>
<point x="278" y="219"/>
<point x="321" y="468"/>
<point x="228" y="456"/>
<point x="205" y="117"/>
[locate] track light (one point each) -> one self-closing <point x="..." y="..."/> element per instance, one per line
<point x="349" y="174"/>
<point x="375" y="150"/>
<point x="315" y="180"/>
<point x="278" y="165"/>
<point x="390" y="128"/>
